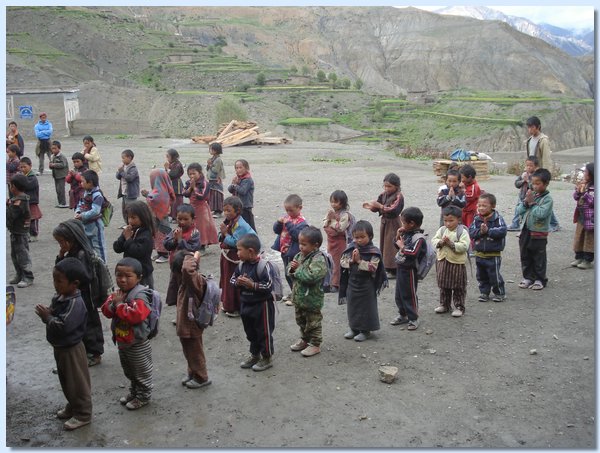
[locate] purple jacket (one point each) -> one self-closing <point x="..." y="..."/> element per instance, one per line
<point x="584" y="213"/>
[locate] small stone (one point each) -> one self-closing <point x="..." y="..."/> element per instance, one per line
<point x="570" y="425"/>
<point x="337" y="388"/>
<point x="555" y="337"/>
<point x="510" y="281"/>
<point x="428" y="332"/>
<point x="586" y="358"/>
<point x="388" y="374"/>
<point x="364" y="356"/>
<point x="432" y="351"/>
<point x="532" y="351"/>
<point x="362" y="417"/>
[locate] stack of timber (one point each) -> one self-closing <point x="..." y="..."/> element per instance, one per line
<point x="240" y="132"/>
<point x="440" y="167"/>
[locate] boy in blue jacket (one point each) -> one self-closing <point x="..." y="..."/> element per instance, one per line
<point x="488" y="232"/>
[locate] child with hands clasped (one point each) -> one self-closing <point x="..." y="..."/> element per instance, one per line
<point x="75" y="180"/>
<point x="452" y="243"/>
<point x="175" y="170"/>
<point x="257" y="306"/>
<point x="307" y="270"/>
<point x="129" y="308"/>
<point x="472" y="191"/>
<point x="89" y="212"/>
<point x="32" y="190"/>
<point x="452" y="194"/>
<point x="65" y="322"/>
<point x="522" y="183"/>
<point x="60" y="168"/>
<point x="338" y="226"/>
<point x="363" y="277"/>
<point x="488" y="232"/>
<point x="583" y="244"/>
<point x="242" y="186"/>
<point x="129" y="181"/>
<point x="197" y="190"/>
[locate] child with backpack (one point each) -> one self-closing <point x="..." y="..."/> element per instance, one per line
<point x="32" y="190"/>
<point x="472" y="191"/>
<point x="338" y="226"/>
<point x="197" y="190"/>
<point x="412" y="249"/>
<point x="363" y="277"/>
<point x="452" y="243"/>
<point x="192" y="289"/>
<point x="257" y="308"/>
<point x="130" y="308"/>
<point x="65" y="327"/>
<point x="159" y="199"/>
<point x="74" y="243"/>
<point x="89" y="211"/>
<point x="75" y="180"/>
<point x="583" y="243"/>
<point x="307" y="270"/>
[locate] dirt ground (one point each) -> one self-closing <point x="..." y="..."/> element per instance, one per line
<point x="466" y="382"/>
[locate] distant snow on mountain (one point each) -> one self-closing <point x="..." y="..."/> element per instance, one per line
<point x="570" y="42"/>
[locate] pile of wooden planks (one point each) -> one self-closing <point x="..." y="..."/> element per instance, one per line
<point x="240" y="132"/>
<point x="440" y="167"/>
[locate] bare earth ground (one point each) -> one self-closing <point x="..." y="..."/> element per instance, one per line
<point x="468" y="382"/>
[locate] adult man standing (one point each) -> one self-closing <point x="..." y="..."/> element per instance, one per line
<point x="43" y="132"/>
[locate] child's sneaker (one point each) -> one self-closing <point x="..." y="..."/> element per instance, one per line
<point x="250" y="361"/>
<point x="299" y="345"/>
<point x="64" y="414"/>
<point x="413" y="325"/>
<point x="24" y="284"/>
<point x="350" y="334"/>
<point x="499" y="298"/>
<point x="576" y="263"/>
<point x="441" y="309"/>
<point x="310" y="350"/>
<point x="186" y="379"/>
<point x="125" y="399"/>
<point x="194" y="384"/>
<point x="483" y="298"/>
<point x="136" y="403"/>
<point x="585" y="265"/>
<point x="74" y="423"/>
<point x="162" y="259"/>
<point x="399" y="320"/>
<point x="362" y="336"/>
<point x="457" y="313"/>
<point x="94" y="359"/>
<point x="263" y="364"/>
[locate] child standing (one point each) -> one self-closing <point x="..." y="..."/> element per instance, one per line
<point x="287" y="229"/>
<point x="129" y="308"/>
<point x="411" y="251"/>
<point x="363" y="277"/>
<point x="452" y="242"/>
<point x="137" y="239"/>
<point x="60" y="168"/>
<point x="338" y="226"/>
<point x="91" y="154"/>
<point x="185" y="237"/>
<point x="197" y="190"/>
<point x="192" y="286"/>
<point x="17" y="223"/>
<point x="175" y="169"/>
<point x="75" y="180"/>
<point x="523" y="184"/>
<point x="307" y="270"/>
<point x="232" y="229"/>
<point x="452" y="195"/>
<point x="583" y="244"/>
<point x="242" y="186"/>
<point x="472" y="192"/>
<point x="74" y="243"/>
<point x="159" y="200"/>
<point x="129" y="182"/>
<point x="13" y="164"/>
<point x="32" y="190"/>
<point x="257" y="308"/>
<point x="537" y="211"/>
<point x="488" y="231"/>
<point x="65" y="326"/>
<point x="388" y="205"/>
<point x="13" y="137"/>
<point x="215" y="171"/>
<point x="89" y="212"/>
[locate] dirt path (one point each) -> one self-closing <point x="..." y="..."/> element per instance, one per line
<point x="468" y="382"/>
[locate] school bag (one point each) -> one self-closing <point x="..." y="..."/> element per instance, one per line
<point x="326" y="285"/>
<point x="206" y="313"/>
<point x="425" y="264"/>
<point x="274" y="274"/>
<point x="101" y="284"/>
<point x="155" y="309"/>
<point x="106" y="211"/>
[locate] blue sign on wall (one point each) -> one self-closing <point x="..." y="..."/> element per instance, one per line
<point x="26" y="112"/>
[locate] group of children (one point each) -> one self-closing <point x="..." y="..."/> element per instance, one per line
<point x="469" y="221"/>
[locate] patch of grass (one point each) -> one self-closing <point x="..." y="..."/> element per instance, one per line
<point x="336" y="160"/>
<point x="123" y="137"/>
<point x="419" y="154"/>
<point x="305" y="122"/>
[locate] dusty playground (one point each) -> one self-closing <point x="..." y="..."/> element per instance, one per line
<point x="466" y="382"/>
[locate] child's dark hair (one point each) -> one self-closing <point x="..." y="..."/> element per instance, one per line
<point x="453" y="173"/>
<point x="26" y="160"/>
<point x="12" y="122"/>
<point x="78" y="156"/>
<point x="293" y="200"/>
<point x="72" y="269"/>
<point x="195" y="166"/>
<point x="216" y="147"/>
<point x="244" y="163"/>
<point x="534" y="121"/>
<point x="364" y="227"/>
<point x="340" y="197"/>
<point x="250" y="241"/>
<point x="20" y="182"/>
<point x="544" y="175"/>
<point x="134" y="264"/>
<point x="234" y="202"/>
<point x="89" y="138"/>
<point x="178" y="258"/>
<point x="128" y="153"/>
<point x="56" y="143"/>
<point x="490" y="197"/>
<point x="141" y="210"/>
<point x="91" y="176"/>
<point x="187" y="208"/>
<point x="468" y="171"/>
<point x="62" y="231"/>
<point x="14" y="148"/>
<point x="590" y="169"/>
<point x="173" y="154"/>
<point x="454" y="211"/>
<point x="412" y="214"/>
<point x="453" y="166"/>
<point x="312" y="234"/>
<point x="534" y="160"/>
<point x="393" y="179"/>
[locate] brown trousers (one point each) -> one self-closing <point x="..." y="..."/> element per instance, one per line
<point x="74" y="378"/>
<point x="193" y="351"/>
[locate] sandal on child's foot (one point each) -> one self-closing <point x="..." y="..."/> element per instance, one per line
<point x="538" y="285"/>
<point x="413" y="325"/>
<point x="136" y="404"/>
<point x="525" y="283"/>
<point x="399" y="320"/>
<point x="125" y="399"/>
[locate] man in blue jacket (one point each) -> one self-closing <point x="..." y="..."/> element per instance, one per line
<point x="43" y="132"/>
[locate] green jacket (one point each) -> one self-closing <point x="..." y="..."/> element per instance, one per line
<point x="537" y="215"/>
<point x="307" y="291"/>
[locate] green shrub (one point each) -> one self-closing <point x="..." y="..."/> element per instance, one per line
<point x="228" y="109"/>
<point x="261" y="79"/>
